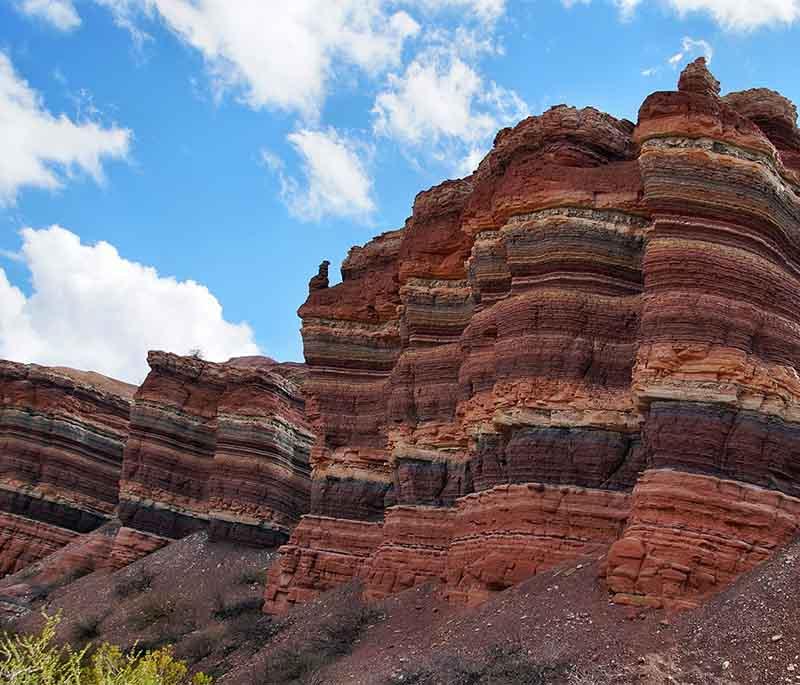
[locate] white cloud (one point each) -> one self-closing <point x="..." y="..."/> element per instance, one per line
<point x="125" y="14"/>
<point x="743" y="15"/>
<point x="626" y="7"/>
<point x="40" y="149"/>
<point x="652" y="71"/>
<point x="485" y="10"/>
<point x="689" y="48"/>
<point x="471" y="160"/>
<point x="336" y="182"/>
<point x="732" y="15"/>
<point x="441" y="105"/>
<point x="283" y="54"/>
<point x="92" y="309"/>
<point x="60" y="13"/>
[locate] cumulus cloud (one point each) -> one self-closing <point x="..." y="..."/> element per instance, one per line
<point x="690" y="48"/>
<point x="59" y="13"/>
<point x="335" y="180"/>
<point x="283" y="54"/>
<point x="92" y="309"/>
<point x="441" y="105"/>
<point x="740" y="15"/>
<point x="40" y="149"/>
<point x="733" y="15"/>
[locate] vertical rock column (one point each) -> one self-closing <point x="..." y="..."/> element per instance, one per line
<point x="351" y="338"/>
<point x="716" y="368"/>
<point x="545" y="384"/>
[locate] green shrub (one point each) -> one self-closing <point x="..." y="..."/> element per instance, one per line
<point x="253" y="576"/>
<point x="136" y="583"/>
<point x="225" y="612"/>
<point x="38" y="660"/>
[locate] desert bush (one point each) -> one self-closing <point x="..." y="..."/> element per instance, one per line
<point x="136" y="583"/>
<point x="500" y="665"/>
<point x="253" y="576"/>
<point x="252" y="630"/>
<point x="335" y="638"/>
<point x="39" y="660"/>
<point x="199" y="645"/>
<point x="225" y="612"/>
<point x="87" y="628"/>
<point x="153" y="610"/>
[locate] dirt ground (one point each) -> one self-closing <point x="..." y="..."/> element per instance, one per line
<point x="557" y="628"/>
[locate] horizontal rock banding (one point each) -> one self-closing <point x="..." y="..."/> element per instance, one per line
<point x="219" y="445"/>
<point x="62" y="434"/>
<point x="199" y="445"/>
<point x="509" y="533"/>
<point x="598" y="301"/>
<point x="689" y="535"/>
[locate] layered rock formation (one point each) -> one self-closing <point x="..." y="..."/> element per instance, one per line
<point x="589" y="345"/>
<point x="62" y="434"/>
<point x="223" y="446"/>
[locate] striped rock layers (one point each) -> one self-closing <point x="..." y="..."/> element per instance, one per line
<point x="223" y="446"/>
<point x="95" y="474"/>
<point x="589" y="345"/>
<point x="62" y="434"/>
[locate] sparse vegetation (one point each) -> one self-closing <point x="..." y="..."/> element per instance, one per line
<point x="39" y="660"/>
<point x="153" y="610"/>
<point x="300" y="664"/>
<point x="134" y="584"/>
<point x="199" y="645"/>
<point x="87" y="628"/>
<point x="225" y="612"/>
<point x="501" y="665"/>
<point x="253" y="576"/>
<point x="252" y="630"/>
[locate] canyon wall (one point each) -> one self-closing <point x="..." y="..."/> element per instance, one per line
<point x="217" y="446"/>
<point x="589" y="346"/>
<point x="96" y="473"/>
<point x="62" y="435"/>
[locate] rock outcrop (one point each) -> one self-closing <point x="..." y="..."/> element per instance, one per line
<point x="198" y="445"/>
<point x="62" y="434"/>
<point x="590" y="344"/>
<point x="223" y="446"/>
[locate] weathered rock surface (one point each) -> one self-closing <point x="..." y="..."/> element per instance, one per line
<point x="223" y="446"/>
<point x="218" y="446"/>
<point x="62" y="434"/>
<point x="588" y="345"/>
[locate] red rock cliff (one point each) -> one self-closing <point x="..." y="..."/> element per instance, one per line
<point x="62" y="434"/>
<point x="589" y="345"/>
<point x="223" y="446"/>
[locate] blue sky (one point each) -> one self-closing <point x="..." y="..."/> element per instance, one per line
<point x="179" y="168"/>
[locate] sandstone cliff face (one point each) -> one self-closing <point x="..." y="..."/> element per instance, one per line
<point x="223" y="446"/>
<point x="62" y="434"/>
<point x="588" y="345"/>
